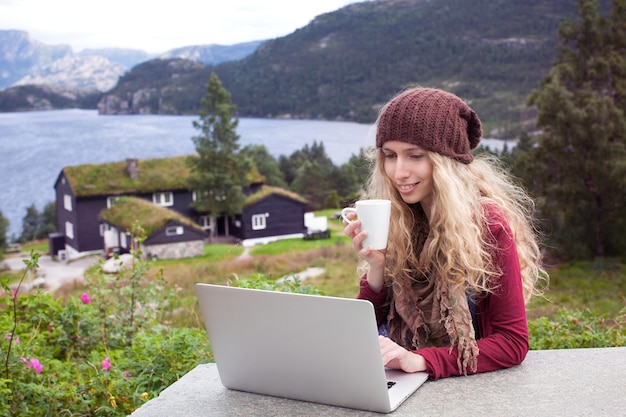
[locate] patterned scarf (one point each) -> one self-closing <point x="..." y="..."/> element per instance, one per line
<point x="430" y="312"/>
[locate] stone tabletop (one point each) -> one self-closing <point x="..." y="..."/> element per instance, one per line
<point x="572" y="382"/>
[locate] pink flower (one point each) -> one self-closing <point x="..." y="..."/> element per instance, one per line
<point x="33" y="364"/>
<point x="106" y="364"/>
<point x="126" y="374"/>
<point x="16" y="339"/>
<point x="84" y="297"/>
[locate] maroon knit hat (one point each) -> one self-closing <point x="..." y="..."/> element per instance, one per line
<point x="431" y="119"/>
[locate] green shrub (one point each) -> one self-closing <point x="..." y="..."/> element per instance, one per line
<point x="290" y="283"/>
<point x="109" y="351"/>
<point x="102" y="353"/>
<point x="576" y="329"/>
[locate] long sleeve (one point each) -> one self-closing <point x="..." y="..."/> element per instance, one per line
<point x="378" y="299"/>
<point x="502" y="316"/>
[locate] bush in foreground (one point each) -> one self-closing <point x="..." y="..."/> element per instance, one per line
<point x="577" y="329"/>
<point x="103" y="353"/>
<point x="107" y="352"/>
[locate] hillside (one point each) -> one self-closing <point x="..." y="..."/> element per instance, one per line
<point x="344" y="65"/>
<point x="47" y="97"/>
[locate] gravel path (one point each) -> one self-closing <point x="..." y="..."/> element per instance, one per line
<point x="51" y="274"/>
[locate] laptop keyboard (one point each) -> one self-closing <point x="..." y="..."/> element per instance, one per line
<point x="390" y="384"/>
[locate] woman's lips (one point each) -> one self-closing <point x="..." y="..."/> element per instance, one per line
<point x="406" y="188"/>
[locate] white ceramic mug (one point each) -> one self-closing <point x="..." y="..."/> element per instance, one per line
<point x="374" y="216"/>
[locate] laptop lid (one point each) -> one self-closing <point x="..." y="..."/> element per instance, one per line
<point x="304" y="347"/>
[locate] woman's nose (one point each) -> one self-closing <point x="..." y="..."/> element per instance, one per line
<point x="401" y="170"/>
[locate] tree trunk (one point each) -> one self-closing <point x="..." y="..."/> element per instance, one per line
<point x="212" y="225"/>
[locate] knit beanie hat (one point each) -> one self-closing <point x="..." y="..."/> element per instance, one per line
<point x="432" y="119"/>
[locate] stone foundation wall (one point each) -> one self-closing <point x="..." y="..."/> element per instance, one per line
<point x="175" y="250"/>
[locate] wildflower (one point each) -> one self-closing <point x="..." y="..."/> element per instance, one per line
<point x="16" y="339"/>
<point x="126" y="374"/>
<point x="33" y="364"/>
<point x="84" y="297"/>
<point x="106" y="364"/>
<point x="144" y="396"/>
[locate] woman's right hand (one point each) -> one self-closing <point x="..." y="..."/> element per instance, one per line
<point x="375" y="258"/>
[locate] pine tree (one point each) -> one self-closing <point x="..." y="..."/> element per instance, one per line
<point x="577" y="167"/>
<point x="218" y="171"/>
<point x="48" y="219"/>
<point x="266" y="165"/>
<point x="4" y="226"/>
<point x="31" y="223"/>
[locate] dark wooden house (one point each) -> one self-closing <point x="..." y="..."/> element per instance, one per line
<point x="271" y="213"/>
<point x="84" y="191"/>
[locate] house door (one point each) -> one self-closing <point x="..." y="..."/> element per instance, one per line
<point x="111" y="240"/>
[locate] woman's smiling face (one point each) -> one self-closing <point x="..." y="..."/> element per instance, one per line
<point x="410" y="169"/>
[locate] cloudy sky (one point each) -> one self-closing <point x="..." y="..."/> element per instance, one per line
<point x="156" y="26"/>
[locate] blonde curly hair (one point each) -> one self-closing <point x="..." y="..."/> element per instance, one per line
<point x="459" y="250"/>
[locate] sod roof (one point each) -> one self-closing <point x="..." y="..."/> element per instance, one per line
<point x="157" y="174"/>
<point x="267" y="190"/>
<point x="128" y="210"/>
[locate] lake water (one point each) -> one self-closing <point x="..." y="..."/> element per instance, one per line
<point x="35" y="146"/>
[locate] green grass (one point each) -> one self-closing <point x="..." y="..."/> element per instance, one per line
<point x="221" y="252"/>
<point x="599" y="286"/>
<point x="282" y="247"/>
<point x="39" y="246"/>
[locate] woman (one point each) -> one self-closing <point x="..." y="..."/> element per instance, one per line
<point x="462" y="258"/>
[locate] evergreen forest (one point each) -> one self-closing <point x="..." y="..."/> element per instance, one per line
<point x="346" y="64"/>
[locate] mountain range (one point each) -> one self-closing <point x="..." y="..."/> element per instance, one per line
<point x="345" y="64"/>
<point x="26" y="61"/>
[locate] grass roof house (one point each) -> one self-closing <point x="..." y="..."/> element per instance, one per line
<point x="84" y="193"/>
<point x="168" y="234"/>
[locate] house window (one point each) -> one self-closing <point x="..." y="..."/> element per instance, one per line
<point x="207" y="195"/>
<point x="258" y="221"/>
<point x="67" y="202"/>
<point x="165" y="199"/>
<point x="112" y="200"/>
<point x="69" y="230"/>
<point x="174" y="231"/>
<point x="204" y="222"/>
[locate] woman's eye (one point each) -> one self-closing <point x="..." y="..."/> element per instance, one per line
<point x="390" y="155"/>
<point x="417" y="156"/>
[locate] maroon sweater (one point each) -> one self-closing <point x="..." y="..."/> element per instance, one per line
<point x="501" y="317"/>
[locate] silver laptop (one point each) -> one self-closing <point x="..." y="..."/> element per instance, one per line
<point x="304" y="347"/>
